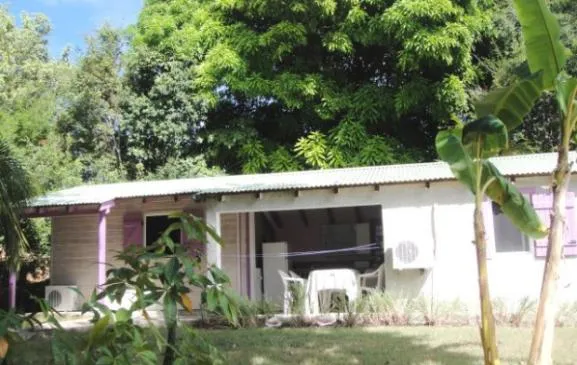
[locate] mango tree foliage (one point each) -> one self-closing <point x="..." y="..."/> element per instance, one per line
<point x="283" y="80"/>
<point x="184" y="168"/>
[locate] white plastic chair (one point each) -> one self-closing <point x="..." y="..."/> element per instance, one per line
<point x="287" y="296"/>
<point x="377" y="275"/>
<point x="297" y="276"/>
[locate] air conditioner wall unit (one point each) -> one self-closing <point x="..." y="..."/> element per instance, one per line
<point x="408" y="254"/>
<point x="63" y="298"/>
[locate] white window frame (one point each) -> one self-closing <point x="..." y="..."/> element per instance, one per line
<point x="526" y="241"/>
<point x="155" y="214"/>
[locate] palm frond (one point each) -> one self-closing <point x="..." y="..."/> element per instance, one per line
<point x="15" y="190"/>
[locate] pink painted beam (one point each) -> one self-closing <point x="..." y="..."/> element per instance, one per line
<point x="12" y="290"/>
<point x="60" y="211"/>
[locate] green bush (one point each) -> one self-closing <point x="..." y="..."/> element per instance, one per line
<point x="162" y="273"/>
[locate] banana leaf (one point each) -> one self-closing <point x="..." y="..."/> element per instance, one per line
<point x="512" y="202"/>
<point x="566" y="87"/>
<point x="512" y="103"/>
<point x="541" y="34"/>
<point x="485" y="137"/>
<point x="451" y="150"/>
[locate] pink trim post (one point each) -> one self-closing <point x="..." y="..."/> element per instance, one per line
<point x="12" y="290"/>
<point x="101" y="249"/>
<point x="103" y="212"/>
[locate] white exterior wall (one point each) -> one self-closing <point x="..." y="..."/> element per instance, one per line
<point x="454" y="275"/>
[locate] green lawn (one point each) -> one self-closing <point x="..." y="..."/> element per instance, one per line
<point x="385" y="345"/>
<point x="382" y="346"/>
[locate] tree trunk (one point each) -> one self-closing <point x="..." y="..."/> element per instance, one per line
<point x="171" y="342"/>
<point x="488" y="332"/>
<point x="543" y="335"/>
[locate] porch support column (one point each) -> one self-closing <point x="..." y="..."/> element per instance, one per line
<point x="12" y="290"/>
<point x="102" y="213"/>
<point x="252" y="255"/>
<point x="213" y="249"/>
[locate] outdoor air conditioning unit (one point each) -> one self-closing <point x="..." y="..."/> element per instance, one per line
<point x="410" y="255"/>
<point x="63" y="298"/>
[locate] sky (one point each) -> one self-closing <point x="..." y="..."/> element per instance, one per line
<point x="72" y="20"/>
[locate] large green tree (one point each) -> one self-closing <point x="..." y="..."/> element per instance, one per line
<point x="92" y="121"/>
<point x="33" y="92"/>
<point x="319" y="83"/>
<point x="162" y="113"/>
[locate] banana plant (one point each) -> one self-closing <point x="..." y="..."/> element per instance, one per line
<point x="466" y="148"/>
<point x="547" y="55"/>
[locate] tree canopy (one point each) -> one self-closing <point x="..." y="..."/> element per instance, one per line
<point x="316" y="84"/>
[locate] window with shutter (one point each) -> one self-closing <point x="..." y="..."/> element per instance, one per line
<point x="132" y="229"/>
<point x="543" y="204"/>
<point x="508" y="238"/>
<point x="156" y="225"/>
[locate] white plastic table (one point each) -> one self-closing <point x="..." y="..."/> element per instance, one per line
<point x="330" y="279"/>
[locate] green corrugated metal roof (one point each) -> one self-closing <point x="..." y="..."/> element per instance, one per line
<point x="518" y="165"/>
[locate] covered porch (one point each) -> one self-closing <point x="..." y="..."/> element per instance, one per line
<point x="324" y="250"/>
<point x="287" y="239"/>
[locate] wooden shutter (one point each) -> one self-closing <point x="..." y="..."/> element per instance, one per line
<point x="543" y="204"/>
<point x="132" y="229"/>
<point x="570" y="248"/>
<point x="195" y="247"/>
<point x="489" y="227"/>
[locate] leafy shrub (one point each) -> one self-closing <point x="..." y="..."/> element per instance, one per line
<point x="567" y="314"/>
<point x="164" y="273"/>
<point x="194" y="349"/>
<point x="524" y="310"/>
<point x="387" y="309"/>
<point x="11" y="323"/>
<point x="255" y="313"/>
<point x="517" y="314"/>
<point x="298" y="296"/>
<point x="440" y="312"/>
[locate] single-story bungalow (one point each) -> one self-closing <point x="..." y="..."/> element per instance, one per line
<point x="415" y="221"/>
